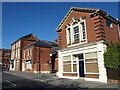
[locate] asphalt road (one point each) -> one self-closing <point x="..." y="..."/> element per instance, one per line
<point x="11" y="82"/>
<point x="16" y="82"/>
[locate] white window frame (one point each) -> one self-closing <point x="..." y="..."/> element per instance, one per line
<point x="71" y="26"/>
<point x="18" y="53"/>
<point x="71" y="63"/>
<point x="68" y="37"/>
<point x="30" y="52"/>
<point x="82" y="39"/>
<point x="90" y="62"/>
<point x="78" y="32"/>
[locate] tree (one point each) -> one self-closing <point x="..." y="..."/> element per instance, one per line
<point x="112" y="56"/>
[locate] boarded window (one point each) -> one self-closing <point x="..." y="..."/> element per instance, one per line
<point x="91" y="60"/>
<point x="90" y="55"/>
<point x="67" y="62"/>
<point x="91" y="67"/>
<point x="66" y="58"/>
<point x="74" y="67"/>
<point x="67" y="68"/>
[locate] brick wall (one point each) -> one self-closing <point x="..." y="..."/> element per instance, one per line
<point x="96" y="29"/>
<point x="40" y="58"/>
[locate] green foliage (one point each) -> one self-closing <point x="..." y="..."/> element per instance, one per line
<point x="112" y="56"/>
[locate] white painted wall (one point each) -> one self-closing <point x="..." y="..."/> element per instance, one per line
<point x="98" y="47"/>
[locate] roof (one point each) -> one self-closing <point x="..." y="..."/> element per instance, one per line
<point x="4" y="49"/>
<point x="92" y="11"/>
<point x="54" y="49"/>
<point x="40" y="43"/>
<point x="52" y="43"/>
<point x="24" y="37"/>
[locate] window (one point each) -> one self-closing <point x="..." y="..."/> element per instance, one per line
<point x="67" y="64"/>
<point x="24" y="54"/>
<point x="69" y="36"/>
<point x="29" y="64"/>
<point x="91" y="66"/>
<point x="83" y="31"/>
<point x="74" y="67"/>
<point x="18" y="54"/>
<point x="12" y="62"/>
<point x="76" y="33"/>
<point x="91" y="55"/>
<point x="30" y="52"/>
<point x="91" y="62"/>
<point x="109" y="23"/>
<point x="19" y="44"/>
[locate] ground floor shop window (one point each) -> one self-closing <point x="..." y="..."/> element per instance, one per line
<point x="91" y="62"/>
<point x="91" y="67"/>
<point x="67" y="63"/>
<point x="85" y="63"/>
<point x="74" y="67"/>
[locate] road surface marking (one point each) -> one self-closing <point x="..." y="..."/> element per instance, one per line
<point x="10" y="82"/>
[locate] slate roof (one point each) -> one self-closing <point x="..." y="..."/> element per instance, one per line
<point x="54" y="49"/>
<point x="24" y="37"/>
<point x="41" y="43"/>
<point x="4" y="49"/>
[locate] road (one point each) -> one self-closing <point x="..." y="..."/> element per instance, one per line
<point x="15" y="82"/>
<point x="24" y="80"/>
<point x="10" y="81"/>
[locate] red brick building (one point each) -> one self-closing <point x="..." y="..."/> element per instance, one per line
<point x="36" y="57"/>
<point x="16" y="51"/>
<point x="83" y="37"/>
<point x="5" y="58"/>
<point x="30" y="54"/>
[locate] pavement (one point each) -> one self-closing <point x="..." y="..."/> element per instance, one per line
<point x="53" y="80"/>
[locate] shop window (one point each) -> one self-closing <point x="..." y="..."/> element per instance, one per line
<point x="74" y="67"/>
<point x="67" y="68"/>
<point x="91" y="67"/>
<point x="91" y="55"/>
<point x="66" y="58"/>
<point x="67" y="63"/>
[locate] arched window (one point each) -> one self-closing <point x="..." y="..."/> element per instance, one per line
<point x="76" y="31"/>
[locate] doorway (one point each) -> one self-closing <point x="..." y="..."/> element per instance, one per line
<point x="81" y="65"/>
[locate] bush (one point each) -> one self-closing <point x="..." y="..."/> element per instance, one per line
<point x="112" y="56"/>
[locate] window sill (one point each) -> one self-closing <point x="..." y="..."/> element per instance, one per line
<point x="69" y="44"/>
<point x="83" y="40"/>
<point x="75" y="42"/>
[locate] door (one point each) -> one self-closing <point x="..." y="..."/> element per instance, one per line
<point x="81" y="68"/>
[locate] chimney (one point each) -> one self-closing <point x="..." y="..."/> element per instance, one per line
<point x="56" y="41"/>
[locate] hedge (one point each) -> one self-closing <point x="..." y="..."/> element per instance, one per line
<point x="112" y="56"/>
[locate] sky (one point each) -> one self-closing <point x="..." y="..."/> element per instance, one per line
<point x="41" y="18"/>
